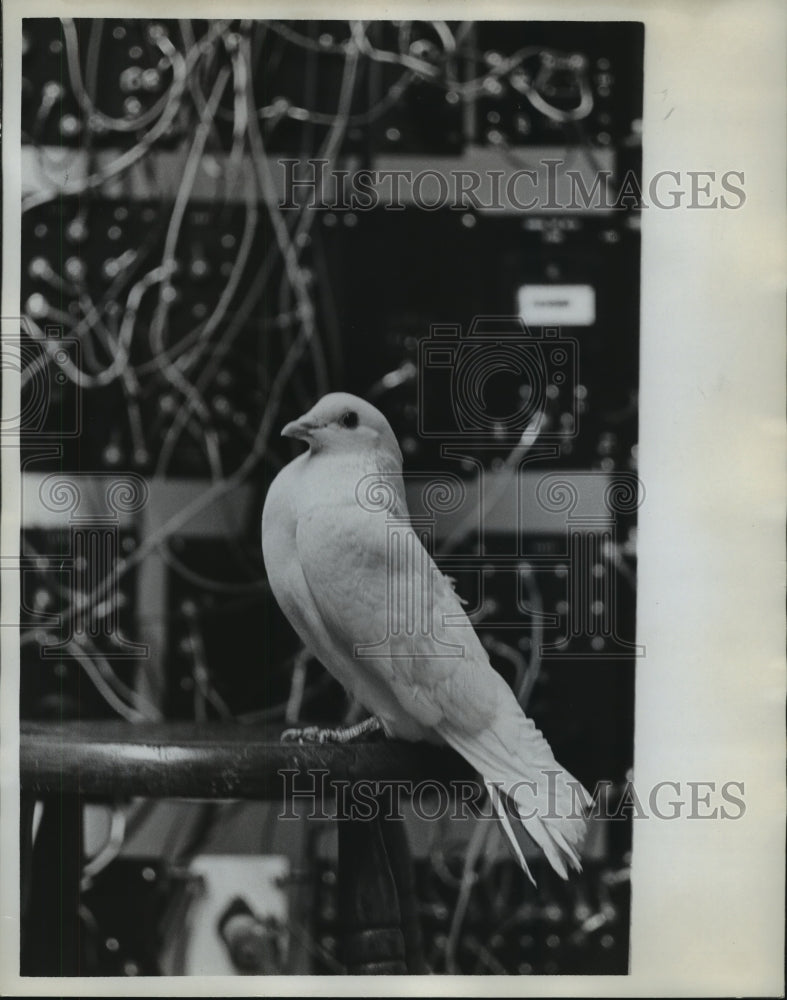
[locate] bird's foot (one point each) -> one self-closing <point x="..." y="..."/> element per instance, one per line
<point x="315" y="734"/>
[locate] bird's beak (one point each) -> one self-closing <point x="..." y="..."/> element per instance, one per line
<point x="300" y="428"/>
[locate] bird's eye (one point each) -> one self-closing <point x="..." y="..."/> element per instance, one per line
<point x="349" y="419"/>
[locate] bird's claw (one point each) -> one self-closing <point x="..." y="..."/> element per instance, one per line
<point x="309" y="734"/>
<point x="316" y="734"/>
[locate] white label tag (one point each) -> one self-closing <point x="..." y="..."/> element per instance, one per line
<point x="561" y="305"/>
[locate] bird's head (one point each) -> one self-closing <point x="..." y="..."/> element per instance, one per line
<point x="341" y="423"/>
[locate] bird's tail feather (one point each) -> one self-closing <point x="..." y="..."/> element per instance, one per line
<point x="527" y="786"/>
<point x="500" y="807"/>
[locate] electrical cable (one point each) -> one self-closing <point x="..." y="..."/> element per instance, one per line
<point x="188" y="177"/>
<point x="133" y="155"/>
<point x="109" y="851"/>
<point x="131" y="124"/>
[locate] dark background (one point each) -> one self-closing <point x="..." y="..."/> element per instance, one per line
<point x="377" y="280"/>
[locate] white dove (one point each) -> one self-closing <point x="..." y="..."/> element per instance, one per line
<point x="353" y="597"/>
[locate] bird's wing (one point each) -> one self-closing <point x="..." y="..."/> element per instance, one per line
<point x="385" y="604"/>
<point x="345" y="571"/>
<point x="389" y="610"/>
